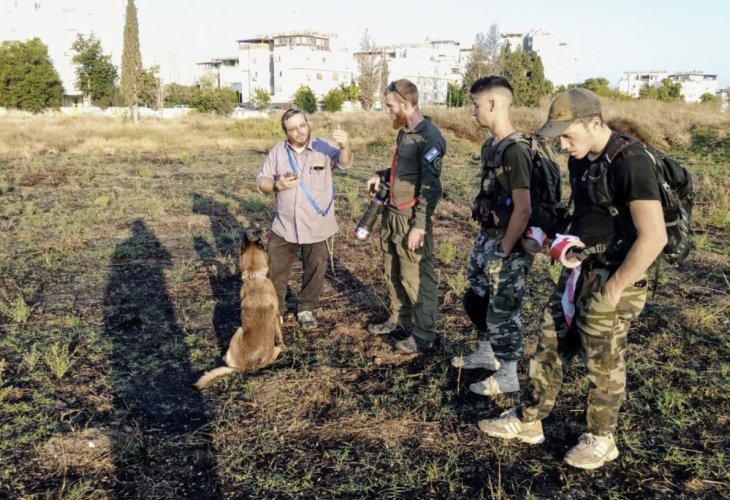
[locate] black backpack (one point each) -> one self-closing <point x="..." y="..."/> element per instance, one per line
<point x="548" y="212"/>
<point x="677" y="196"/>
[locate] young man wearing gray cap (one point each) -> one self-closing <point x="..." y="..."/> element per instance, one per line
<point x="618" y="216"/>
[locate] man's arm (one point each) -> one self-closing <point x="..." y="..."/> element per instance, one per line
<point x="651" y="238"/>
<point x="518" y="220"/>
<point x="343" y="141"/>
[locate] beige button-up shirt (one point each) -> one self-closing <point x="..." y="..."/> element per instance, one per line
<point x="296" y="220"/>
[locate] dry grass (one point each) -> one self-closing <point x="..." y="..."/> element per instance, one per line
<point x="126" y="267"/>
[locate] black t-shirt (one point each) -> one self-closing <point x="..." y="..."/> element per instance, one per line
<point x="631" y="176"/>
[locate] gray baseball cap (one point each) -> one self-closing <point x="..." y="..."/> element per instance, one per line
<point x="567" y="107"/>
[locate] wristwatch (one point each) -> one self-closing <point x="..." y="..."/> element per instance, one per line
<point x="276" y="187"/>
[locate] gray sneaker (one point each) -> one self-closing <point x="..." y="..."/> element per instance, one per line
<point x="592" y="451"/>
<point x="483" y="357"/>
<point x="306" y="320"/>
<point x="382" y="328"/>
<point x="412" y="345"/>
<point x="502" y="382"/>
<point x="509" y="426"/>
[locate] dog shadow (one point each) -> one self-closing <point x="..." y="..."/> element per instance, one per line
<point x="164" y="449"/>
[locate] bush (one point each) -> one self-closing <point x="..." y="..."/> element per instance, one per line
<point x="304" y="99"/>
<point x="333" y="100"/>
<point x="261" y="98"/>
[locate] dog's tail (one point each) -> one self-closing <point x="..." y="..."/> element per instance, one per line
<point x="213" y="374"/>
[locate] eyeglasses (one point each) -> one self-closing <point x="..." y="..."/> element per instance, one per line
<point x="392" y="88"/>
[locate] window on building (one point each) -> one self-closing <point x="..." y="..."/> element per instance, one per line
<point x="280" y="73"/>
<point x="324" y="60"/>
<point x="335" y="76"/>
<point x="319" y="76"/>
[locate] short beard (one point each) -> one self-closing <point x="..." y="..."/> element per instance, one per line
<point x="400" y="120"/>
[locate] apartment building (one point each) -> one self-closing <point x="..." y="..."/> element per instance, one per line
<point x="632" y="81"/>
<point x="431" y="65"/>
<point x="281" y="63"/>
<point x="695" y="84"/>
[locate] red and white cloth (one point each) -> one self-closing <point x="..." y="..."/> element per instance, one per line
<point x="562" y="244"/>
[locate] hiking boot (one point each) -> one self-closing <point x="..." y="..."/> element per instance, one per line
<point x="412" y="345"/>
<point x="483" y="357"/>
<point x="502" y="382"/>
<point x="384" y="328"/>
<point x="592" y="451"/>
<point x="509" y="426"/>
<point x="306" y="320"/>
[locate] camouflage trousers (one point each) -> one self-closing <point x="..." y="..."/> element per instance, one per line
<point x="497" y="294"/>
<point x="599" y="332"/>
<point x="410" y="276"/>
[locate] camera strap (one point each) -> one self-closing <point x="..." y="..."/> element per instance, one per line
<point x="305" y="189"/>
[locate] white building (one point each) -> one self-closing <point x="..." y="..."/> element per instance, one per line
<point x="558" y="61"/>
<point x="695" y="84"/>
<point x="431" y="65"/>
<point x="224" y="71"/>
<point x="282" y="63"/>
<point x="57" y="23"/>
<point x="632" y="81"/>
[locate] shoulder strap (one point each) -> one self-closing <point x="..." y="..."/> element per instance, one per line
<point x="616" y="145"/>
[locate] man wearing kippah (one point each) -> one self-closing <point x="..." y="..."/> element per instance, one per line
<point x="618" y="216"/>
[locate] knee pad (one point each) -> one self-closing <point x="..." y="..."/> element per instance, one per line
<point x="476" y="308"/>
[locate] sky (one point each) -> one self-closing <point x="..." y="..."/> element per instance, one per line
<point x="607" y="37"/>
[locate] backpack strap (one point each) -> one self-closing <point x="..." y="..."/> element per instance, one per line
<point x="494" y="160"/>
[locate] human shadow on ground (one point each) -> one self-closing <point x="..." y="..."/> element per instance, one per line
<point x="164" y="446"/>
<point x="225" y="284"/>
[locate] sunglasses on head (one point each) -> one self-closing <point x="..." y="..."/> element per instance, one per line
<point x="392" y="88"/>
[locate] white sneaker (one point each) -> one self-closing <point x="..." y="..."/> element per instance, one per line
<point x="592" y="451"/>
<point x="483" y="357"/>
<point x="509" y="426"/>
<point x="502" y="382"/>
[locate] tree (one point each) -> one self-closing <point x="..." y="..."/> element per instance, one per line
<point x="151" y="90"/>
<point x="707" y="97"/>
<point x="600" y="87"/>
<point x="455" y="95"/>
<point x="484" y="58"/>
<point x="131" y="61"/>
<point x="208" y="98"/>
<point x="526" y="75"/>
<point x="261" y="98"/>
<point x="333" y="100"/>
<point x="668" y="92"/>
<point x="95" y="72"/>
<point x="350" y="92"/>
<point x="304" y="99"/>
<point x="178" y="95"/>
<point x="371" y="66"/>
<point x="28" y="80"/>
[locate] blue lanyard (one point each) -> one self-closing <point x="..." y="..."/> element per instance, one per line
<point x="305" y="189"/>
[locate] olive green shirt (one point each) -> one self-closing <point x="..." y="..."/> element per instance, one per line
<point x="417" y="172"/>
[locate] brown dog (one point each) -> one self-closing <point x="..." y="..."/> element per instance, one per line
<point x="258" y="342"/>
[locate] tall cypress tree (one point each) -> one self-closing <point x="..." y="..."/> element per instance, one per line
<point x="131" y="61"/>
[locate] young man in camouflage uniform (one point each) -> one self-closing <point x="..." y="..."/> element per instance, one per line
<point x="498" y="263"/>
<point x="407" y="231"/>
<point x="611" y="287"/>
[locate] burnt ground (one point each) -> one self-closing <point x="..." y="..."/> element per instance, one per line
<point x="127" y="268"/>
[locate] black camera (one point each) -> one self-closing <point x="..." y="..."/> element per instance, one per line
<point x="364" y="228"/>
